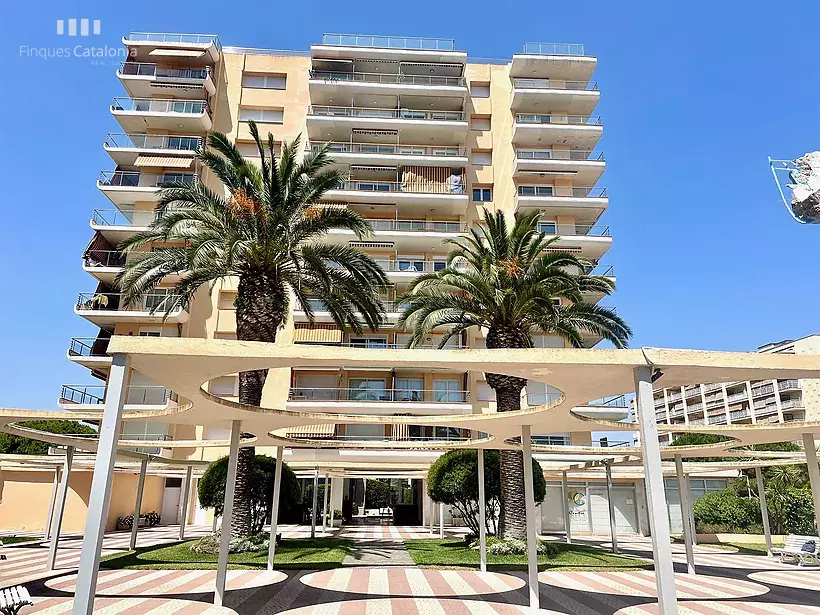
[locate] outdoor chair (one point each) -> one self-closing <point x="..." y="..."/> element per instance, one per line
<point x="12" y="599"/>
<point x="801" y="550"/>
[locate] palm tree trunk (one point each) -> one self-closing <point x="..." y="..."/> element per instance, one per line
<point x="261" y="304"/>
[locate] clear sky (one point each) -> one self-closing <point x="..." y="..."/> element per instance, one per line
<point x="694" y="96"/>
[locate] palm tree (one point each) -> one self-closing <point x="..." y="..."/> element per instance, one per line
<point x="267" y="233"/>
<point x="507" y="281"/>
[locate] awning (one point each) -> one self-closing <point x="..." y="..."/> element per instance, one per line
<point x="168" y="162"/>
<point x="177" y="53"/>
<point x="318" y="335"/>
<point x="313" y="431"/>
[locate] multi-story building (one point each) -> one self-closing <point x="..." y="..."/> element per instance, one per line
<point x="427" y="138"/>
<point x="728" y="403"/>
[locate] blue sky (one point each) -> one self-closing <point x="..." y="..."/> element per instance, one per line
<point x="695" y="96"/>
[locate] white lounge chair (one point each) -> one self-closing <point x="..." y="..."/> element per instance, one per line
<point x="795" y="550"/>
<point x="12" y="599"/>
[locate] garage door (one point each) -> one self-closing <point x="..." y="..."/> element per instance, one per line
<point x="626" y="514"/>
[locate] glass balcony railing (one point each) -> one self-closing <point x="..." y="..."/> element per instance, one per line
<point x="88" y="347"/>
<point x="547" y="118"/>
<point x="390" y="78"/>
<point x="103" y="258"/>
<point x="115" y="217"/>
<point x="604" y="270"/>
<point x="145" y="69"/>
<point x="138" y="179"/>
<point x="161" y="105"/>
<point x="525" y="83"/>
<point x="389" y="149"/>
<point x="147" y="141"/>
<point x="591" y="192"/>
<point x="420" y="226"/>
<point x="112" y="302"/>
<point x="553" y="228"/>
<point x="95" y="394"/>
<point x="375" y="112"/>
<point x="378" y="395"/>
<point x="167" y="37"/>
<point x="411" y="265"/>
<point x="548" y="154"/>
<point x="554" y="49"/>
<point x="389" y="42"/>
<point x="317" y="305"/>
<point x="420" y="187"/>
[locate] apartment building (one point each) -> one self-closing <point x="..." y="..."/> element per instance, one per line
<point x="427" y="138"/>
<point x="751" y="402"/>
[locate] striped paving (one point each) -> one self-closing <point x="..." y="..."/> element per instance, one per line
<point x="798" y="578"/>
<point x="707" y="555"/>
<point x="397" y="533"/>
<point x="641" y="584"/>
<point x="167" y="582"/>
<point x="412" y="582"/>
<point x="129" y="606"/>
<point x="711" y="607"/>
<point x="415" y="606"/>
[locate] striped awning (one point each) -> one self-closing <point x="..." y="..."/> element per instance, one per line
<point x="178" y="53"/>
<point x="168" y="162"/>
<point x="318" y="334"/>
<point x="312" y="431"/>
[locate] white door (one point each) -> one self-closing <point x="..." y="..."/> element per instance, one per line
<point x="170" y="501"/>
<point x="626" y="513"/>
<point x="552" y="512"/>
<point x="578" y="501"/>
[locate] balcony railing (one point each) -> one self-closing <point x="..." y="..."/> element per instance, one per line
<point x="95" y="394"/>
<point x="378" y="345"/>
<point x="138" y="179"/>
<point x="389" y="149"/>
<point x="788" y="384"/>
<point x="115" y="217"/>
<point x="375" y="112"/>
<point x="411" y="265"/>
<point x="166" y="37"/>
<point x="553" y="228"/>
<point x="571" y="192"/>
<point x="553" y="49"/>
<point x="617" y="401"/>
<point x="548" y="154"/>
<point x="389" y="42"/>
<point x="417" y="187"/>
<point x="525" y="83"/>
<point x="390" y="78"/>
<point x="104" y="258"/>
<point x="604" y="270"/>
<point x="558" y="119"/>
<point x="145" y="69"/>
<point x="88" y="347"/>
<point x="146" y="141"/>
<point x="378" y="395"/>
<point x="420" y="226"/>
<point x="161" y="105"/>
<point x="112" y="302"/>
<point x="317" y="305"/>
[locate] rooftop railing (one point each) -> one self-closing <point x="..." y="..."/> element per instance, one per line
<point x="95" y="394"/>
<point x="138" y="179"/>
<point x="378" y="395"/>
<point x="386" y="148"/>
<point x="147" y="69"/>
<point x="115" y="217"/>
<point x="548" y="154"/>
<point x="526" y="83"/>
<point x="167" y="37"/>
<point x="559" y="119"/>
<point x="437" y="226"/>
<point x="375" y="112"/>
<point x="147" y="141"/>
<point x="88" y="347"/>
<point x="112" y="302"/>
<point x="389" y="42"/>
<point x="161" y="105"/>
<point x="104" y="258"/>
<point x="419" y="187"/>
<point x="572" y="192"/>
<point x="554" y="49"/>
<point x="389" y="78"/>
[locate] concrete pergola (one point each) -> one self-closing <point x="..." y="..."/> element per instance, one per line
<point x="186" y="365"/>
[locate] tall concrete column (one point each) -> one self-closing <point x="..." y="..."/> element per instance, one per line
<point x="51" y="503"/>
<point x="274" y="508"/>
<point x="764" y="511"/>
<point x="60" y="510"/>
<point x="613" y="526"/>
<point x="315" y="502"/>
<point x="100" y="495"/>
<point x="529" y="507"/>
<point x="655" y="496"/>
<point x="138" y="505"/>
<point x="324" y="510"/>
<point x="227" y="516"/>
<point x="482" y="512"/>
<point x="186" y="497"/>
<point x="685" y="505"/>
<point x="565" y="507"/>
<point x="814" y="474"/>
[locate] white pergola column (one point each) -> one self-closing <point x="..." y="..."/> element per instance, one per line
<point x="613" y="526"/>
<point x="51" y="503"/>
<point x="100" y="495"/>
<point x="441" y="519"/>
<point x="655" y="496"/>
<point x="227" y="516"/>
<point x="482" y="512"/>
<point x="693" y="533"/>
<point x="814" y="474"/>
<point x="529" y="507"/>
<point x="334" y="489"/>
<point x="565" y="506"/>
<point x="324" y="510"/>
<point x="60" y="508"/>
<point x="432" y="515"/>
<point x="685" y="505"/>
<point x="274" y="508"/>
<point x="315" y="502"/>
<point x="138" y="505"/>
<point x="186" y="497"/>
<point x="764" y="511"/>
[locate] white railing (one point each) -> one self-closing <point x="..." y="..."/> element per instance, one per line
<point x="549" y="154"/>
<point x="573" y="191"/>
<point x="131" y="217"/>
<point x="338" y="147"/>
<point x="112" y="302"/>
<point x="378" y="395"/>
<point x="554" y="49"/>
<point x="148" y="69"/>
<point x="376" y="112"/>
<point x="389" y="42"/>
<point x="389" y="78"/>
<point x="167" y="37"/>
<point x="526" y="83"/>
<point x="559" y="119"/>
<point x="152" y="395"/>
<point x="161" y="105"/>
<point x="138" y="179"/>
<point x="553" y="228"/>
<point x="148" y="141"/>
<point x="372" y="185"/>
<point x="437" y="226"/>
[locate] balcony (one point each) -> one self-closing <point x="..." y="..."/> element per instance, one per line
<point x="144" y="79"/>
<point x="542" y="60"/>
<point x="394" y="153"/>
<point x="416" y="125"/>
<point x="188" y="48"/>
<point x="541" y="129"/>
<point x="116" y="225"/>
<point x="406" y="269"/>
<point x="447" y="197"/>
<point x="592" y="241"/>
<point x="90" y="352"/>
<point x="404" y="234"/>
<point x="125" y="149"/>
<point x="574" y="97"/>
<point x="380" y="400"/>
<point x="585" y="166"/>
<point x="322" y="315"/>
<point x="106" y="309"/>
<point x="589" y="202"/>
<point x="395" y="48"/>
<point x="324" y="84"/>
<point x="92" y="397"/>
<point x="178" y="115"/>
<point x="104" y="264"/>
<point x="129" y="187"/>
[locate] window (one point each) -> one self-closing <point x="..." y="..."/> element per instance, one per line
<point x="550" y="228"/>
<point x="439" y="265"/>
<point x="368" y="342"/>
<point x="479" y="89"/>
<point x="447" y="391"/>
<point x="478" y="122"/>
<point x="409" y="389"/>
<point x="271" y="116"/>
<point x="483" y="194"/>
<point x="535" y="190"/>
<point x="481" y="157"/>
<point x="264" y="82"/>
<point x="149" y="333"/>
<point x="410" y="263"/>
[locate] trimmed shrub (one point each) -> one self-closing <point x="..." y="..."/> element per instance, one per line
<point x="498" y="546"/>
<point x="725" y="509"/>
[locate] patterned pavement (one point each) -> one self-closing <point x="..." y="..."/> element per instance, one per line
<point x="709" y="607"/>
<point x="412" y="582"/>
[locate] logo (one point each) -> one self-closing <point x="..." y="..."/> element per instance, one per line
<point x="100" y="54"/>
<point x="72" y="27"/>
<point x="575" y="497"/>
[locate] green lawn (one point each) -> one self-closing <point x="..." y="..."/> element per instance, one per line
<point x="745" y="548"/>
<point x="298" y="553"/>
<point x="453" y="553"/>
<point x="10" y="540"/>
